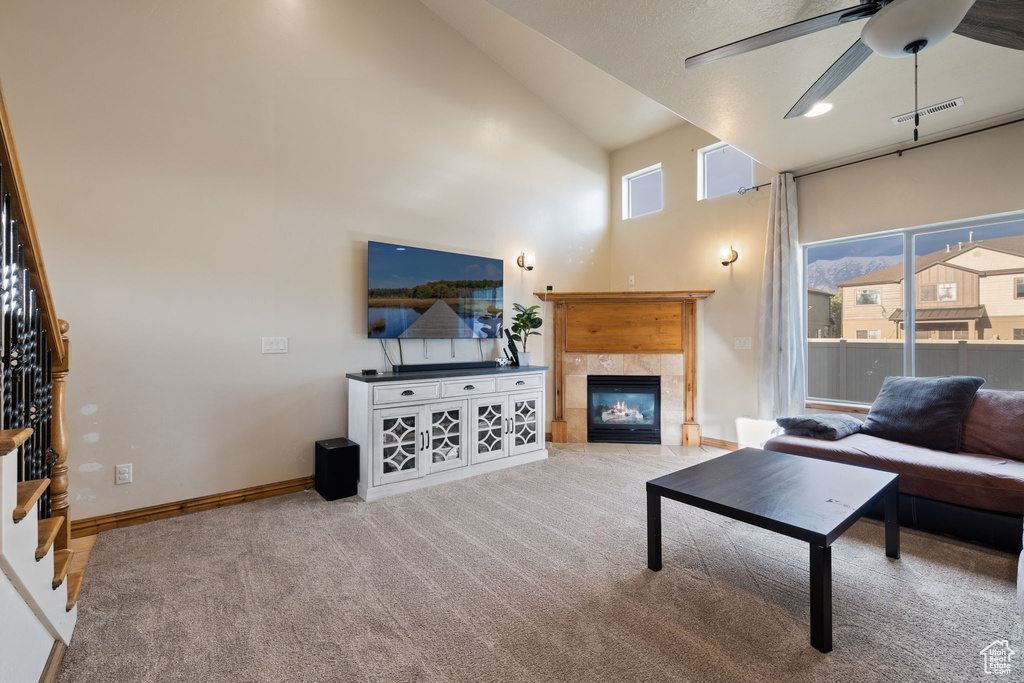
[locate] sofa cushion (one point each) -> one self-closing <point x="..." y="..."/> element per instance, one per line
<point x="995" y="424"/>
<point x="923" y="411"/>
<point x="829" y="427"/>
<point x="972" y="479"/>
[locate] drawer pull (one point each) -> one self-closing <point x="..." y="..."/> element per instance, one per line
<point x="520" y="383"/>
<point x="408" y="392"/>
<point x="468" y="387"/>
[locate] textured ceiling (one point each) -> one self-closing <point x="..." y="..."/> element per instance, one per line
<point x="743" y="99"/>
<point x="609" y="112"/>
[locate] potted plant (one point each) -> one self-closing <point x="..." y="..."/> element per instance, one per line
<point x="525" y="324"/>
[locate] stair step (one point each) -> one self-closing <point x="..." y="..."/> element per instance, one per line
<point x="48" y="529"/>
<point x="61" y="565"/>
<point x="28" y="494"/>
<point x="12" y="438"/>
<point x="74" y="586"/>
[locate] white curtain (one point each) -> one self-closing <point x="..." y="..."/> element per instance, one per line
<point x="780" y="359"/>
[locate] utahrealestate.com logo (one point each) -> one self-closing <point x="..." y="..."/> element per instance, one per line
<point x="997" y="657"/>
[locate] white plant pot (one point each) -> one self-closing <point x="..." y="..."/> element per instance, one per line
<point x="524" y="358"/>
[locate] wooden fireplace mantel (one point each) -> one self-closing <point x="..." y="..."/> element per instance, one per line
<point x="625" y="297"/>
<point x="626" y="323"/>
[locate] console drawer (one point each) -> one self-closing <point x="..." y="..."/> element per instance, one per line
<point x="520" y="382"/>
<point x="405" y="392"/>
<point x="469" y="386"/>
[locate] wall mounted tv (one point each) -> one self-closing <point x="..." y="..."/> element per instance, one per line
<point x="425" y="294"/>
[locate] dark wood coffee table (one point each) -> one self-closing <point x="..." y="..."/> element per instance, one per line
<point x="803" y="498"/>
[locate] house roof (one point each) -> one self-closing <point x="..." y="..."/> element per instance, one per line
<point x="893" y="274"/>
<point x="815" y="290"/>
<point x="942" y="314"/>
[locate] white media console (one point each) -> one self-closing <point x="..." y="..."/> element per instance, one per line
<point x="417" y="429"/>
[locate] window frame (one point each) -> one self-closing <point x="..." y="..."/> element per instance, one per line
<point x="627" y="195"/>
<point x="938" y="291"/>
<point x="910" y="292"/>
<point x="702" y="170"/>
<point x="876" y="290"/>
<point x="1018" y="286"/>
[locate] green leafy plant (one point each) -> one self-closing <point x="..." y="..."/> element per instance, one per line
<point x="525" y="323"/>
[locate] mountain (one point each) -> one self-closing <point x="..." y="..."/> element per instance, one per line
<point x="824" y="274"/>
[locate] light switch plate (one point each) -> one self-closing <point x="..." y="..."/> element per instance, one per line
<point x="275" y="344"/>
<point x="742" y="342"/>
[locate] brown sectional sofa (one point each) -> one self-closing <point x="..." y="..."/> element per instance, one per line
<point x="976" y="494"/>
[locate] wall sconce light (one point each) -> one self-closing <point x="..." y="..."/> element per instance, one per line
<point x="729" y="256"/>
<point x="527" y="260"/>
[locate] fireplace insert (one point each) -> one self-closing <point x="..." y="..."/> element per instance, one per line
<point x="623" y="409"/>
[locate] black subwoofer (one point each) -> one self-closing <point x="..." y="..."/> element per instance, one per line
<point x="337" y="468"/>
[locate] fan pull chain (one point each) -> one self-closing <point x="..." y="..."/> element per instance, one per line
<point x="917" y="115"/>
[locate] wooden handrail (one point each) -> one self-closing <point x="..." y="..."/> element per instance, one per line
<point x="49" y="449"/>
<point x="22" y="211"/>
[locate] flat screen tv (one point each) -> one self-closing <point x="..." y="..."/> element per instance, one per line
<point x="425" y="294"/>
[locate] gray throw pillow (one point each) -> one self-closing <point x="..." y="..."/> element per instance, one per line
<point x="829" y="427"/>
<point x="923" y="411"/>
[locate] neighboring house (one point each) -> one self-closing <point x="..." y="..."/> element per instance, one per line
<point x="972" y="290"/>
<point x="819" y="313"/>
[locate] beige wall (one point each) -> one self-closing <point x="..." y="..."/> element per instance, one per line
<point x="999" y="294"/>
<point x="204" y="174"/>
<point x="977" y="175"/>
<point x="680" y="247"/>
<point x="980" y="258"/>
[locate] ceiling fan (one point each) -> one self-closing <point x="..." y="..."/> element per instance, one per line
<point x="895" y="28"/>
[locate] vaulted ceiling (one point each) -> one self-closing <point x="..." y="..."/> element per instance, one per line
<point x="608" y="111"/>
<point x="743" y="99"/>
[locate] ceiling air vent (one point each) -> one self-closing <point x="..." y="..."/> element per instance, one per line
<point x="927" y="111"/>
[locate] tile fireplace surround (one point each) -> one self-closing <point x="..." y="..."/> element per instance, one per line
<point x="625" y="333"/>
<point x="669" y="366"/>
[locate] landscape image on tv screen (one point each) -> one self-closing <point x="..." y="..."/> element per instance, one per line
<point x="425" y="294"/>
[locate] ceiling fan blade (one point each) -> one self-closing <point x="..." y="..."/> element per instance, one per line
<point x="830" y="80"/>
<point x="999" y="22"/>
<point x="801" y="28"/>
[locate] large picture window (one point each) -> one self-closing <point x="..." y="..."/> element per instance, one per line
<point x="967" y="316"/>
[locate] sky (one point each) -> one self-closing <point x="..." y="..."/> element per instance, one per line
<point x="396" y="266"/>
<point x="889" y="245"/>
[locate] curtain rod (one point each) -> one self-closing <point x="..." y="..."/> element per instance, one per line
<point x="900" y="152"/>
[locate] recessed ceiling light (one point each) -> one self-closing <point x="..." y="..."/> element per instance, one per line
<point x="819" y="109"/>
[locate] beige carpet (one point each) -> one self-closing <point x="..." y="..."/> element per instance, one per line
<point x="537" y="573"/>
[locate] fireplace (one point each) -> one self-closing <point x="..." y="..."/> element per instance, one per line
<point x="623" y="409"/>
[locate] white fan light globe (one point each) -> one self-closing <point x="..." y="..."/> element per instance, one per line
<point x="903" y="22"/>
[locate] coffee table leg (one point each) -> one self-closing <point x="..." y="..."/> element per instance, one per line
<point x="653" y="531"/>
<point x="821" y="598"/>
<point x="892" y="522"/>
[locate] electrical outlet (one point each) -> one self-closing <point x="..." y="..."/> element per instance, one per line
<point x="275" y="344"/>
<point x="123" y="474"/>
<point x="741" y="342"/>
<point x="632" y="280"/>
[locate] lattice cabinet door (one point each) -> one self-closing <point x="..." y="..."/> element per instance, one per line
<point x="526" y="431"/>
<point x="488" y="419"/>
<point x="398" y="442"/>
<point x="447" y="443"/>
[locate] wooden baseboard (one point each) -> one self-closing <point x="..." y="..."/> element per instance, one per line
<point x="718" y="443"/>
<point x="52" y="667"/>
<point x="94" y="525"/>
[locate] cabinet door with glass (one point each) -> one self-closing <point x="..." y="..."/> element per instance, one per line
<point x="446" y="443"/>
<point x="488" y="419"/>
<point x="526" y="431"/>
<point x="398" y="437"/>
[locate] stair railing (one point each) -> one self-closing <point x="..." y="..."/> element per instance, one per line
<point x="35" y="352"/>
